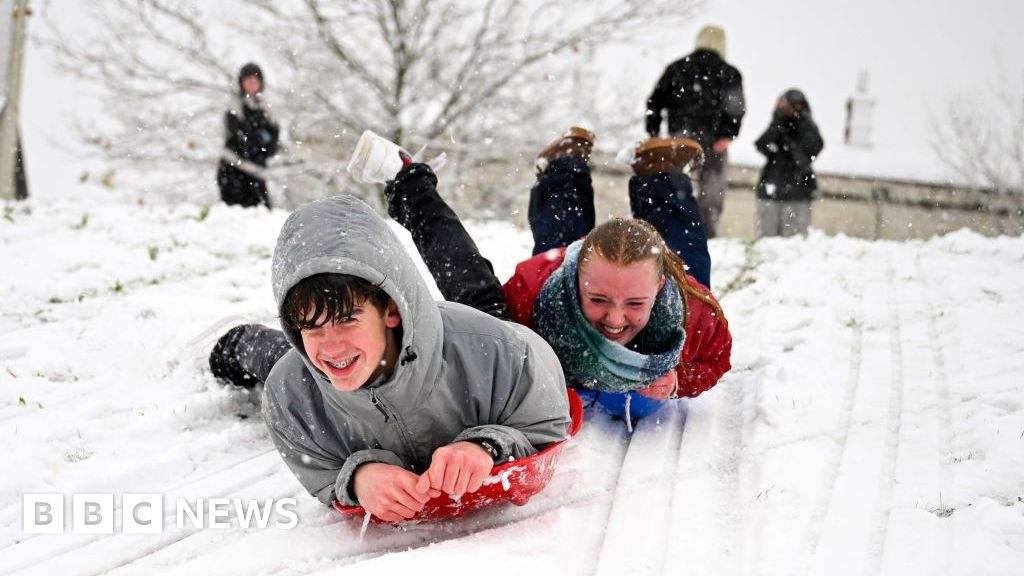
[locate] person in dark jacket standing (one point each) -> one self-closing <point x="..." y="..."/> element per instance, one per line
<point x="787" y="186"/>
<point x="251" y="139"/>
<point x="704" y="99"/>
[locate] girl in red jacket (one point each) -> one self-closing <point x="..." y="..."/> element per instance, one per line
<point x="631" y="327"/>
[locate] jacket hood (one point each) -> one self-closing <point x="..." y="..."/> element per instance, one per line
<point x="711" y="38"/>
<point x="250" y="69"/>
<point x="342" y="235"/>
<point x="794" y="97"/>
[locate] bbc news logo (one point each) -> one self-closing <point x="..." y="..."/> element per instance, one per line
<point x="144" y="513"/>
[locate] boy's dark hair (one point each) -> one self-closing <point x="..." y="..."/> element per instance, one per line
<point x="328" y="297"/>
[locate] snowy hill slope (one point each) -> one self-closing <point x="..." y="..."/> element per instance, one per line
<point x="873" y="422"/>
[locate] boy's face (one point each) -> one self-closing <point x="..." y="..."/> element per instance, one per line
<point x="354" y="350"/>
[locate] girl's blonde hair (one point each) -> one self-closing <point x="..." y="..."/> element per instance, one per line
<point x="625" y="241"/>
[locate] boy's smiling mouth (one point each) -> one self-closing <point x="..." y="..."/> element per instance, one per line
<point x="341" y="365"/>
<point x="340" y="368"/>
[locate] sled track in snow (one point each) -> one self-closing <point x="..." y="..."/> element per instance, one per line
<point x="49" y="553"/>
<point x="836" y="454"/>
<point x="676" y="437"/>
<point x="613" y="492"/>
<point x="945" y="425"/>
<point x="883" y="502"/>
<point x="648" y="481"/>
<point x="728" y="435"/>
<point x="728" y="461"/>
<point x="672" y="521"/>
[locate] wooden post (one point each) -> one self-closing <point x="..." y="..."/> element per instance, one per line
<point x="10" y="146"/>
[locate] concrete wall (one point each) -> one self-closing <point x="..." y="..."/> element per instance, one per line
<point x="855" y="206"/>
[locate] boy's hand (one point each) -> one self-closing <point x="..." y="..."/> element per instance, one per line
<point x="456" y="469"/>
<point x="388" y="492"/>
<point x="663" y="388"/>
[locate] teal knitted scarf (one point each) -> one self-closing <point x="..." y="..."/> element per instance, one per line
<point x="593" y="361"/>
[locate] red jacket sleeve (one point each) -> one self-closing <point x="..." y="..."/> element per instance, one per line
<point x="707" y="350"/>
<point x="524" y="286"/>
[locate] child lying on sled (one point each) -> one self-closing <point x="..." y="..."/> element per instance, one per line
<point x="379" y="396"/>
<point x="625" y="305"/>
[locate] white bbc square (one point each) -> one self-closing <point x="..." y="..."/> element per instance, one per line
<point x="92" y="513"/>
<point x="42" y="513"/>
<point x="142" y="513"/>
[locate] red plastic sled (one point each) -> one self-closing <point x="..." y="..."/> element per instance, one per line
<point x="515" y="481"/>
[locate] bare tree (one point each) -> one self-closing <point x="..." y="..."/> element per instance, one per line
<point x="483" y="79"/>
<point x="980" y="137"/>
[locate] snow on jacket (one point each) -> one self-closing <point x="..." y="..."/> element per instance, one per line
<point x="462" y="374"/>
<point x="708" y="344"/>
<point x="704" y="98"/>
<point x="790" y="145"/>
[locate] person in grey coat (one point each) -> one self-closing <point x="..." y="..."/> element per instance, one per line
<point x="384" y="398"/>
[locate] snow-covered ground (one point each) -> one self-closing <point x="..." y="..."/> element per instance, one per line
<point x="873" y="422"/>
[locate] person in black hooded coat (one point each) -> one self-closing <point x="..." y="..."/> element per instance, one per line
<point x="251" y="139"/>
<point x="787" y="186"/>
<point x="703" y="96"/>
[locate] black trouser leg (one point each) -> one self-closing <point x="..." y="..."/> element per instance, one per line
<point x="259" y="190"/>
<point x="462" y="274"/>
<point x="666" y="201"/>
<point x="246" y="354"/>
<point x="238" y="188"/>
<point x="561" y="204"/>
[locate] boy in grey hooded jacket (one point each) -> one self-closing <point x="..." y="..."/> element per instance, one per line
<point x="454" y="384"/>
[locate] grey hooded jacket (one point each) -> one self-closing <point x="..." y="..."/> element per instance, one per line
<point x="461" y="374"/>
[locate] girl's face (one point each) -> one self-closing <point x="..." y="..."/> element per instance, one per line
<point x="251" y="85"/>
<point x="617" y="300"/>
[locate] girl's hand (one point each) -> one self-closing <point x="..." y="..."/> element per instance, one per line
<point x="663" y="388"/>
